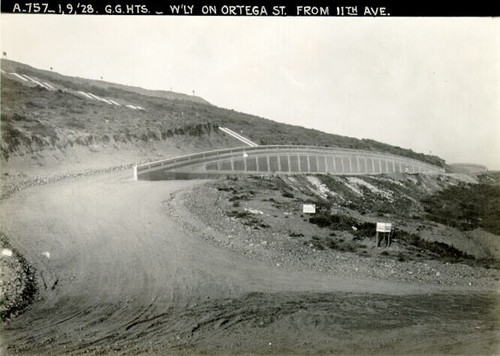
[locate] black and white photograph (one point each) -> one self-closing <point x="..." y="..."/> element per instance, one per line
<point x="227" y="179"/>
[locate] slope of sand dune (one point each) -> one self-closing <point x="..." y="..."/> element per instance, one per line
<point x="116" y="273"/>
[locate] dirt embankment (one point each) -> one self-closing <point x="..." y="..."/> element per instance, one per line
<point x="269" y="226"/>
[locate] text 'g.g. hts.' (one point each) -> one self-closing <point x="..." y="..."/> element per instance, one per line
<point x="181" y="9"/>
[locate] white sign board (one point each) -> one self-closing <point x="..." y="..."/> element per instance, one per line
<point x="384" y="227"/>
<point x="309" y="209"/>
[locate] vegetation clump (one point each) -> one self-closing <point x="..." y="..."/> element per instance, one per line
<point x="343" y="223"/>
<point x="466" y="207"/>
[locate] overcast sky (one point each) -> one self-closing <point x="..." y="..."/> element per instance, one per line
<point x="429" y="84"/>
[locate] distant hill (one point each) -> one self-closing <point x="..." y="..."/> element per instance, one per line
<point x="37" y="119"/>
<point x="97" y="86"/>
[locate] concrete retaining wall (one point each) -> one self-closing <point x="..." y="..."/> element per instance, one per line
<point x="281" y="160"/>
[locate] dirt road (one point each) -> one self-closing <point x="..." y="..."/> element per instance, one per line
<point x="116" y="273"/>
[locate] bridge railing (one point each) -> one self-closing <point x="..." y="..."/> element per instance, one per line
<point x="198" y="158"/>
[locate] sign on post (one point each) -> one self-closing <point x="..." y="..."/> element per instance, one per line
<point x="309" y="208"/>
<point x="384" y="232"/>
<point x="384" y="227"/>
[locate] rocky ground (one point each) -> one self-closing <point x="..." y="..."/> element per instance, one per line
<point x="266" y="232"/>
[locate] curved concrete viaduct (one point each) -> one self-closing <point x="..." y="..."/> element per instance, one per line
<point x="264" y="160"/>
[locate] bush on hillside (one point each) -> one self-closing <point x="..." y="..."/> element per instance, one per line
<point x="466" y="207"/>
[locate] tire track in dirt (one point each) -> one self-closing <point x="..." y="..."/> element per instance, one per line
<point x="130" y="279"/>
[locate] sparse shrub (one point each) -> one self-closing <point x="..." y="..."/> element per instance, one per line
<point x="320" y="220"/>
<point x="351" y="205"/>
<point x="272" y="200"/>
<point x="226" y="189"/>
<point x="248" y="219"/>
<point x="335" y="222"/>
<point x="342" y="246"/>
<point x="365" y="229"/>
<point x="332" y="244"/>
<point x="317" y="244"/>
<point x="348" y="247"/>
<point x="239" y="214"/>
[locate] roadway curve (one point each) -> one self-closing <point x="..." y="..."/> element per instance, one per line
<point x="122" y="276"/>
